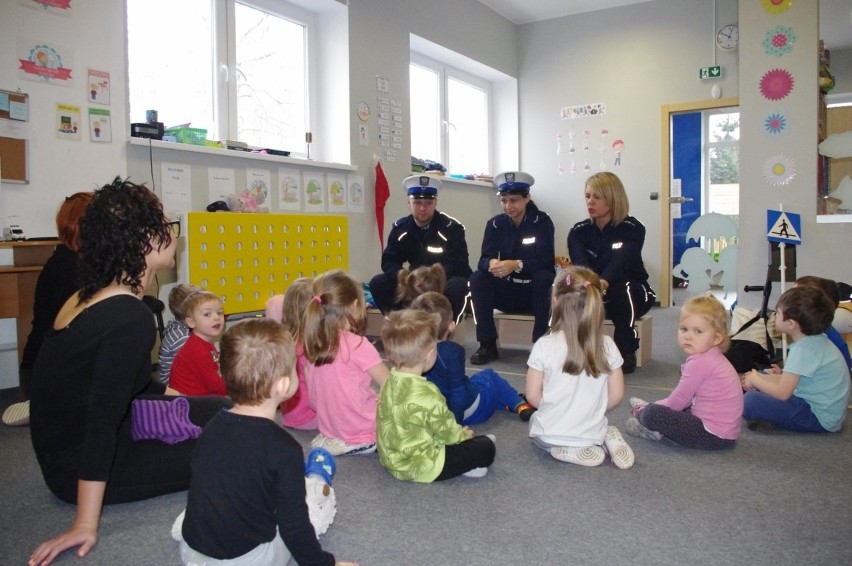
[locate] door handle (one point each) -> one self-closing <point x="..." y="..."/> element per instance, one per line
<point x="679" y="200"/>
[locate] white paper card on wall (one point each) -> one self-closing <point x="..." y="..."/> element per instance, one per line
<point x="289" y="189"/>
<point x="176" y="184"/>
<point x="258" y="182"/>
<point x="314" y="192"/>
<point x="355" y="194"/>
<point x="337" y="189"/>
<point x="221" y="183"/>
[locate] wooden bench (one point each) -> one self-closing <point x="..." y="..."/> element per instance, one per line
<point x="375" y="321"/>
<point x="516" y="330"/>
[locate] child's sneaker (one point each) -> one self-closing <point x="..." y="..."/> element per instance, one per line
<point x="525" y="411"/>
<point x="636" y="405"/>
<point x="476" y="473"/>
<point x="17" y="414"/>
<point x="321" y="463"/>
<point x="619" y="451"/>
<point x="582" y="455"/>
<point x="337" y="447"/>
<point x="635" y="428"/>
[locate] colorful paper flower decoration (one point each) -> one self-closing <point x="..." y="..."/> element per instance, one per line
<point x="776" y="123"/>
<point x="779" y="40"/>
<point x="776" y="6"/>
<point x="779" y="170"/>
<point x="776" y="84"/>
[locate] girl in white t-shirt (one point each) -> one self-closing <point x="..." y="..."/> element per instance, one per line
<point x="343" y="366"/>
<point x="574" y="377"/>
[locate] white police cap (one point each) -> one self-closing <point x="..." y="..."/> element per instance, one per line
<point x="422" y="186"/>
<point x="513" y="182"/>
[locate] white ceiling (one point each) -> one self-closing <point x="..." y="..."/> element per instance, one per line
<point x="835" y="15"/>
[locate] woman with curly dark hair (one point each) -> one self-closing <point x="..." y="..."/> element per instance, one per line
<point x="93" y="380"/>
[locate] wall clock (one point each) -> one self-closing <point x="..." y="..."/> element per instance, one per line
<point x="728" y="37"/>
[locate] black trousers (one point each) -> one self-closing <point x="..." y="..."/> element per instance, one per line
<point x="510" y="295"/>
<point x="624" y="303"/>
<point x="476" y="452"/>
<point x="383" y="288"/>
<point x="143" y="469"/>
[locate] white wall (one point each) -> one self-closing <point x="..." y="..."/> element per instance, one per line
<point x="634" y="59"/>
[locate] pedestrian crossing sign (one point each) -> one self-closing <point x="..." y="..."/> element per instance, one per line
<point x="783" y="227"/>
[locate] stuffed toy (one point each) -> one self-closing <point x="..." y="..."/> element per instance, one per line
<point x="241" y="202"/>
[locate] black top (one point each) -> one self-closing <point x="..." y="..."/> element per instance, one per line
<point x="84" y="379"/>
<point x="530" y="242"/>
<point x="614" y="253"/>
<point x="248" y="476"/>
<point x="56" y="282"/>
<point x="441" y="241"/>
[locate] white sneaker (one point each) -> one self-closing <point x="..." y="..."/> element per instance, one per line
<point x="493" y="438"/>
<point x="635" y="428"/>
<point x="476" y="473"/>
<point x="17" y="414"/>
<point x="619" y="451"/>
<point x="636" y="405"/>
<point x="582" y="455"/>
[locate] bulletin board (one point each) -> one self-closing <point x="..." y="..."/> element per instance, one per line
<point x="13" y="160"/>
<point x="14" y="105"/>
<point x="246" y="258"/>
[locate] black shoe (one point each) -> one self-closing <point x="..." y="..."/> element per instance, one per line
<point x="487" y="352"/>
<point x="525" y="411"/>
<point x="629" y="365"/>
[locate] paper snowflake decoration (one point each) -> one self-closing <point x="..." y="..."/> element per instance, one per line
<point x="776" y="84"/>
<point x="776" y="6"/>
<point x="779" y="170"/>
<point x="779" y="40"/>
<point x="776" y="123"/>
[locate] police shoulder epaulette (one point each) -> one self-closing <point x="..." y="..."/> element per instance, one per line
<point x="450" y="220"/>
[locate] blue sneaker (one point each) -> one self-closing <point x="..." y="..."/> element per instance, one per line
<point x="321" y="463"/>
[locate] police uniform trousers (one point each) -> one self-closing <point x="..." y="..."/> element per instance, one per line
<point x="511" y="294"/>
<point x="624" y="304"/>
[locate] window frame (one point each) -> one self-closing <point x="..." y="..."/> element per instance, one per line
<point x="445" y="72"/>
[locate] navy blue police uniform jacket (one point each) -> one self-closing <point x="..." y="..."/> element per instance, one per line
<point x="441" y="241"/>
<point x="614" y="253"/>
<point x="531" y="242"/>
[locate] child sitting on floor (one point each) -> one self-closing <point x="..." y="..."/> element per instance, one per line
<point x="829" y="287"/>
<point x="296" y="412"/>
<point x="574" y="377"/>
<point x="246" y="502"/>
<point x="343" y="366"/>
<point x="419" y="439"/>
<point x="176" y="332"/>
<point x="196" y="367"/>
<point x="412" y="284"/>
<point x="473" y="400"/>
<point x="811" y="392"/>
<point x="705" y="409"/>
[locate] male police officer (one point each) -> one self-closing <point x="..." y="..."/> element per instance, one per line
<point x="424" y="237"/>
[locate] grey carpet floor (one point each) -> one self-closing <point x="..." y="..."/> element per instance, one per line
<point x="777" y="498"/>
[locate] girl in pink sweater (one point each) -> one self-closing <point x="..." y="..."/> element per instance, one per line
<point x="705" y="409"/>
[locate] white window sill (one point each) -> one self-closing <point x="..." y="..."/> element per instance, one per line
<point x="833" y="218"/>
<point x="448" y="179"/>
<point x="174" y="146"/>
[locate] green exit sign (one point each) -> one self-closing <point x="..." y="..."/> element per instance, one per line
<point x="710" y="72"/>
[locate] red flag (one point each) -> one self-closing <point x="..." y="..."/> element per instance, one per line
<point x="382" y="196"/>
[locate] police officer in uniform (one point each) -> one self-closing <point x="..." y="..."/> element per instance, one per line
<point x="424" y="237"/>
<point x="516" y="270"/>
<point x="610" y="243"/>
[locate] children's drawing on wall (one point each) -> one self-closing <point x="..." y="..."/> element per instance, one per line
<point x="44" y="62"/>
<point x="618" y="149"/>
<point x="67" y="122"/>
<point x="98" y="87"/>
<point x="712" y="263"/>
<point x="356" y="193"/>
<point x="58" y="7"/>
<point x="336" y="192"/>
<point x="315" y="192"/>
<point x="289" y="189"/>
<point x="255" y="197"/>
<point x="602" y="147"/>
<point x="586" y="135"/>
<point x="99" y="125"/>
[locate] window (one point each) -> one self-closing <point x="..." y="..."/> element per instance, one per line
<point x="450" y="116"/>
<point x="240" y="71"/>
<point x="723" y="157"/>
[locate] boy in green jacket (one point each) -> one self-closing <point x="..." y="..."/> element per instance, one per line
<point x="418" y="437"/>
